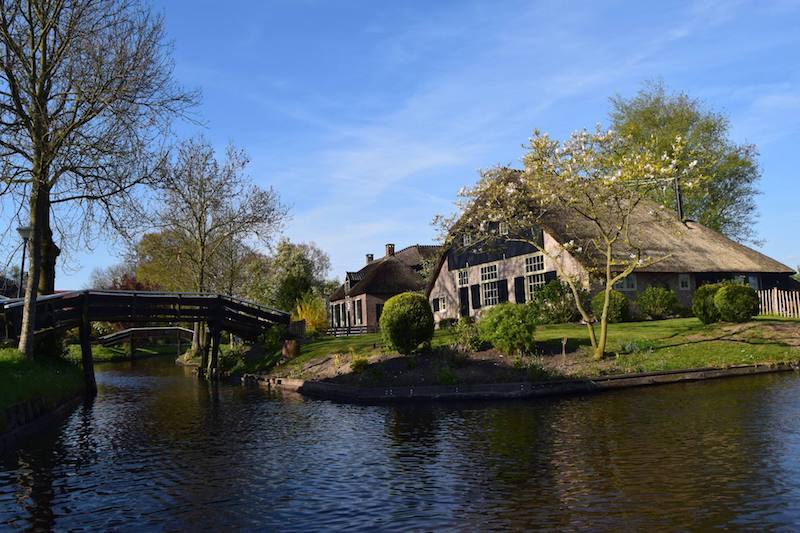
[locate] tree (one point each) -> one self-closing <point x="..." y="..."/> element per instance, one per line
<point x="86" y="96"/>
<point x="313" y="310"/>
<point x="294" y="270"/>
<point x="162" y="260"/>
<point x="726" y="201"/>
<point x="119" y="277"/>
<point x="596" y="181"/>
<point x="206" y="205"/>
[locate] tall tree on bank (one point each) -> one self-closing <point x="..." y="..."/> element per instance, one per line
<point x="594" y="180"/>
<point x="207" y="204"/>
<point x="86" y="94"/>
<point x="725" y="201"/>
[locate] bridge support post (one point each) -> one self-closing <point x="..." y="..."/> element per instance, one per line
<point x="86" y="349"/>
<point x="132" y="346"/>
<point x="213" y="363"/>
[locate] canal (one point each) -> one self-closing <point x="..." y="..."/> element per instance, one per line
<point x="156" y="450"/>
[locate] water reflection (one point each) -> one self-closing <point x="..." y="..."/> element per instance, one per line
<point x="158" y="450"/>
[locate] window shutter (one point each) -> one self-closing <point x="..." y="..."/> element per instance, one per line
<point x="476" y="296"/>
<point x="519" y="289"/>
<point x="463" y="300"/>
<point x="550" y="276"/>
<point x="435" y="304"/>
<point x="502" y="290"/>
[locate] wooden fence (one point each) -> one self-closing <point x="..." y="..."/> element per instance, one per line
<point x="780" y="303"/>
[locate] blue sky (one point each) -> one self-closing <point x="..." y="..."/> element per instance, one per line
<point x="367" y="117"/>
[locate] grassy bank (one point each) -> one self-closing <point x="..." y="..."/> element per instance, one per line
<point x="22" y="379"/>
<point x="633" y="347"/>
<point x="102" y="354"/>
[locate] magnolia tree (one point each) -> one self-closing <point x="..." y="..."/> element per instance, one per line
<point x="595" y="187"/>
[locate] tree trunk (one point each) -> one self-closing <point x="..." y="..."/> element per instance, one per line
<point x="51" y="343"/>
<point x="26" y="336"/>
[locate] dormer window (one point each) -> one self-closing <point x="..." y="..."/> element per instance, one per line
<point x="466" y="239"/>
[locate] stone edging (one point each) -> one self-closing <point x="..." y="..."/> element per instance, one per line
<point x="489" y="391"/>
<point x="31" y="416"/>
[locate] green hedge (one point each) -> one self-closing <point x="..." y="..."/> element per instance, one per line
<point x="657" y="302"/>
<point x="407" y="322"/>
<point x="736" y="303"/>
<point x="619" y="309"/>
<point x="509" y="327"/>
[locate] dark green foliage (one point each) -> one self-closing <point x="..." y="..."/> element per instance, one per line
<point x="448" y="323"/>
<point x="736" y="303"/>
<point x="359" y="364"/>
<point x="509" y="327"/>
<point x="619" y="308"/>
<point x="726" y="173"/>
<point x="555" y="304"/>
<point x="407" y="322"/>
<point x="703" y="305"/>
<point x="657" y="302"/>
<point x="466" y="335"/>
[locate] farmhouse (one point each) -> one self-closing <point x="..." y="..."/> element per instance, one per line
<point x="473" y="275"/>
<point x="357" y="304"/>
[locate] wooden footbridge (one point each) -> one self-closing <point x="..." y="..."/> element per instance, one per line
<point x="79" y="309"/>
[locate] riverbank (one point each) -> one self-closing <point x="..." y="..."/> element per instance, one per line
<point x="21" y="380"/>
<point x="33" y="393"/>
<point x="639" y="348"/>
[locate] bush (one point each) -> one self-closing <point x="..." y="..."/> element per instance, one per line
<point x="448" y="323"/>
<point x="736" y="303"/>
<point x="703" y="305"/>
<point x="555" y="304"/>
<point x="313" y="310"/>
<point x="619" y="309"/>
<point x="509" y="327"/>
<point x="466" y="335"/>
<point x="359" y="364"/>
<point x="407" y="322"/>
<point x="657" y="302"/>
<point x="638" y="346"/>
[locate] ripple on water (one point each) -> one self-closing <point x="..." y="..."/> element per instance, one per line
<point x="157" y="450"/>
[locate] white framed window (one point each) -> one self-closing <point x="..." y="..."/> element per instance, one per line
<point x="626" y="284"/>
<point x="502" y="228"/>
<point x="683" y="282"/>
<point x="466" y="240"/>
<point x="490" y="291"/>
<point x="463" y="278"/>
<point x="534" y="263"/>
<point x="533" y="282"/>
<point x="442" y="304"/>
<point x="357" y="317"/>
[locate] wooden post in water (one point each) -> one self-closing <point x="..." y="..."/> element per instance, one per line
<point x="131" y="346"/>
<point x="86" y="349"/>
<point x="213" y="363"/>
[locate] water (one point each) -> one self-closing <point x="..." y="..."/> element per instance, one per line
<point x="157" y="450"/>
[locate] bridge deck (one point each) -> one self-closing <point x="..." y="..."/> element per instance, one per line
<point x="67" y="310"/>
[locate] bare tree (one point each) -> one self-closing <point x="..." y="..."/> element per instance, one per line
<point x="86" y="94"/>
<point x="206" y="205"/>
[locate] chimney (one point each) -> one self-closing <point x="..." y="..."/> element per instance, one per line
<point x="370" y="258"/>
<point x="389" y="249"/>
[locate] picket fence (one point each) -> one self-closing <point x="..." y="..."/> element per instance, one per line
<point x="780" y="303"/>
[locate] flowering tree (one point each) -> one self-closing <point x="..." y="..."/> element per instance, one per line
<point x="593" y="187"/>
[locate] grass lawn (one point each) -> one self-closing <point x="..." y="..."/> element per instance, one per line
<point x="680" y="343"/>
<point x="102" y="354"/>
<point x="21" y="379"/>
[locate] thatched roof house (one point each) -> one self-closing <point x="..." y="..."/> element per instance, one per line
<point x="358" y="302"/>
<point x="470" y="278"/>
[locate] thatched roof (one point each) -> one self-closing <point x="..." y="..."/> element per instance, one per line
<point x="390" y="274"/>
<point x="688" y="246"/>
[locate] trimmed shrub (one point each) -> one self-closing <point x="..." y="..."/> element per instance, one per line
<point x="509" y="327"/>
<point x="736" y="303"/>
<point x="703" y="305"/>
<point x="466" y="335"/>
<point x="619" y="308"/>
<point x="448" y="323"/>
<point x="555" y="304"/>
<point x="657" y="302"/>
<point x="407" y="322"/>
